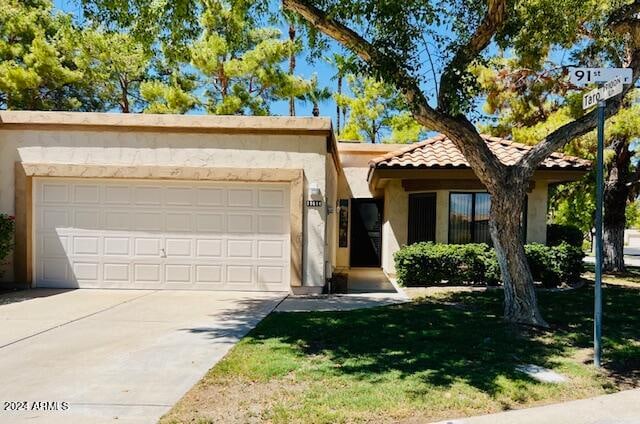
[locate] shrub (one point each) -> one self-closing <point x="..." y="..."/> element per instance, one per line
<point x="558" y="233"/>
<point x="423" y="264"/>
<point x="7" y="227"/>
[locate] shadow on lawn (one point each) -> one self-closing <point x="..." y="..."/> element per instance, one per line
<point x="459" y="338"/>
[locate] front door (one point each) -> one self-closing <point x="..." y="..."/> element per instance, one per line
<point x="366" y="232"/>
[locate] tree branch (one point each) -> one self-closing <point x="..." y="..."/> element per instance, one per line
<point x="466" y="53"/>
<point x="458" y="128"/>
<point x="586" y="123"/>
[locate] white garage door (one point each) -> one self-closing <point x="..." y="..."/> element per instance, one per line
<point x="150" y="234"/>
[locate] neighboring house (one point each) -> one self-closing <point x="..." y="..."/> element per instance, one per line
<point x="230" y="202"/>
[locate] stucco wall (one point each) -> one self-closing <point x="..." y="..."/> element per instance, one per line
<point x="331" y="199"/>
<point x="144" y="148"/>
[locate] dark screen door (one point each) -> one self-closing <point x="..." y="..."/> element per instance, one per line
<point x="422" y="218"/>
<point x="366" y="232"/>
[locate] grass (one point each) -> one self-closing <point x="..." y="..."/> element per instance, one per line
<point x="432" y="359"/>
<point x="630" y="277"/>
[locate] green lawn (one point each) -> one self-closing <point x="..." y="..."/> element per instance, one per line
<point x="630" y="277"/>
<point x="431" y="359"/>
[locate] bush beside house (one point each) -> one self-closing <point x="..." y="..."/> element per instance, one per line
<point x="557" y="233"/>
<point x="424" y="264"/>
<point x="7" y="227"/>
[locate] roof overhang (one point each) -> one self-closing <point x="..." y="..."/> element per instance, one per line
<point x="378" y="177"/>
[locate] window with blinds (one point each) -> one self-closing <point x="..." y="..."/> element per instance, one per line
<point x="469" y="218"/>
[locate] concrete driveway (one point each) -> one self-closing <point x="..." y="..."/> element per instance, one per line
<point x="114" y="355"/>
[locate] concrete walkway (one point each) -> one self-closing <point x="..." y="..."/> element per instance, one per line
<point x="123" y="356"/>
<point x="618" y="408"/>
<point x="340" y="302"/>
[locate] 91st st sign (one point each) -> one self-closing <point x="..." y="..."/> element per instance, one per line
<point x="586" y="76"/>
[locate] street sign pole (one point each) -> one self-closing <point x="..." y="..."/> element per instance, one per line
<point x="597" y="321"/>
<point x="611" y="81"/>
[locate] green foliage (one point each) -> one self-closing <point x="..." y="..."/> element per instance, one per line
<point x="7" y="228"/>
<point x="39" y="67"/>
<point x="315" y="94"/>
<point x="174" y="96"/>
<point x="574" y="204"/>
<point x="632" y="215"/>
<point x="429" y="263"/>
<point x="116" y="64"/>
<point x="571" y="234"/>
<point x="241" y="63"/>
<point x="435" y="263"/>
<point x="374" y="110"/>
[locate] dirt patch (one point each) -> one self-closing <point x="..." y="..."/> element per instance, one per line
<point x="234" y="401"/>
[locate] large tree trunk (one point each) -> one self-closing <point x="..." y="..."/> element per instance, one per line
<point x="520" y="305"/>
<point x="616" y="193"/>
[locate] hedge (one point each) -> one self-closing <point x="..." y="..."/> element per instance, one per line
<point x="424" y="264"/>
<point x="557" y="233"/>
<point x="7" y="227"/>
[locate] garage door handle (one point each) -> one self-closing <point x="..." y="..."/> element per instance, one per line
<point x="163" y="254"/>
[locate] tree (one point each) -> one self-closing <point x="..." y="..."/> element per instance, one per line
<point x="241" y="63"/>
<point x="315" y="95"/>
<point x="530" y="105"/>
<point x="390" y="50"/>
<point x="173" y="96"/>
<point x="344" y="66"/>
<point x="38" y="60"/>
<point x="116" y="64"/>
<point x="375" y="111"/>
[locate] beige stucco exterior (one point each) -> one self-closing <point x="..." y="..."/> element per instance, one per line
<point x="301" y="152"/>
<point x="355" y="160"/>
<point x="176" y="147"/>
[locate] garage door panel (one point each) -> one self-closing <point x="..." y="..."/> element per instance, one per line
<point x="54" y="219"/>
<point x="85" y="245"/>
<point x="147" y="273"/>
<point x="271" y="249"/>
<point x="86" y="193"/>
<point x="271" y="224"/>
<point x="117" y="195"/>
<point x="240" y="223"/>
<point x="272" y="198"/>
<point x="116" y="246"/>
<point x="208" y="274"/>
<point x="178" y="247"/>
<point x="116" y="272"/>
<point x="210" y="197"/>
<point x="209" y="248"/>
<point x="148" y="221"/>
<point x="210" y="223"/>
<point x="55" y="193"/>
<point x="144" y="196"/>
<point x="240" y="197"/>
<point x="239" y="249"/>
<point x="147" y="246"/>
<point x="119" y="234"/>
<point x="116" y="220"/>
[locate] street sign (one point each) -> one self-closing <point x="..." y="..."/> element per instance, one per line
<point x="608" y="90"/>
<point x="586" y="76"/>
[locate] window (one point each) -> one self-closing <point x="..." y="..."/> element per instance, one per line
<point x="469" y="218"/>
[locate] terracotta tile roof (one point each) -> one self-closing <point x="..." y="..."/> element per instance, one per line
<point x="440" y="152"/>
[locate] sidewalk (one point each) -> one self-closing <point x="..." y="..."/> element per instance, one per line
<point x="618" y="408"/>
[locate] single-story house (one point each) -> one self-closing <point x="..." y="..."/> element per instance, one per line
<point x="232" y="203"/>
